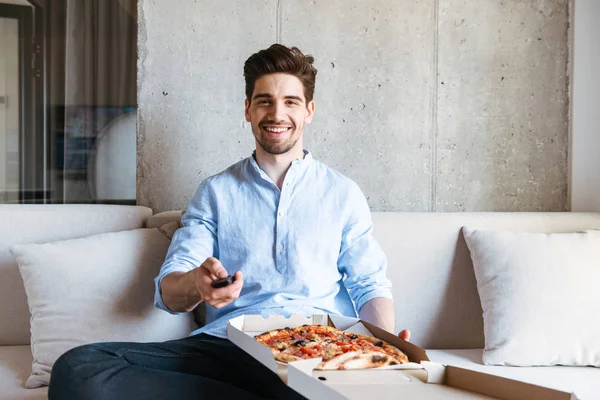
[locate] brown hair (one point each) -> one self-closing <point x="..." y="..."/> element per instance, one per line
<point x="279" y="58"/>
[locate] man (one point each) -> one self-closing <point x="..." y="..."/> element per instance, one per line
<point x="295" y="235"/>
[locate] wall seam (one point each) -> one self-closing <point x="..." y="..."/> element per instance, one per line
<point x="278" y="21"/>
<point x="434" y="109"/>
<point x="142" y="194"/>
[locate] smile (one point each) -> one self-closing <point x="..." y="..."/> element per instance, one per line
<point x="275" y="130"/>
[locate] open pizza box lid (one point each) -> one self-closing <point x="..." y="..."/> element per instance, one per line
<point x="420" y="379"/>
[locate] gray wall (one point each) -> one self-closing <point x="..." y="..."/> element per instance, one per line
<point x="432" y="105"/>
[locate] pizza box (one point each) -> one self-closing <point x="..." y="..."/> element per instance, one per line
<point x="419" y="379"/>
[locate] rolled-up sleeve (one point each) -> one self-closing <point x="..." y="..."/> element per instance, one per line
<point x="361" y="258"/>
<point x="194" y="242"/>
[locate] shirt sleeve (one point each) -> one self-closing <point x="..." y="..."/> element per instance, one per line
<point x="361" y="258"/>
<point x="193" y="243"/>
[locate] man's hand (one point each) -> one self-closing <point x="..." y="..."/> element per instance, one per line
<point x="405" y="334"/>
<point x="183" y="291"/>
<point x="209" y="271"/>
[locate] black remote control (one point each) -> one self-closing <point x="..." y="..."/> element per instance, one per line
<point x="219" y="283"/>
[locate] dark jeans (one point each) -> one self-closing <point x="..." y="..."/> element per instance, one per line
<point x="197" y="367"/>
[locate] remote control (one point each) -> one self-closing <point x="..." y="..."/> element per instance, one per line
<point x="219" y="283"/>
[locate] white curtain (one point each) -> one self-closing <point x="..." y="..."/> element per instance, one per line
<point x="100" y="86"/>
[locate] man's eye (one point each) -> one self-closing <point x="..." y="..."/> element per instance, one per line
<point x="263" y="102"/>
<point x="292" y="103"/>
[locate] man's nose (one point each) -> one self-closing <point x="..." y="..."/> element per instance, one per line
<point x="278" y="111"/>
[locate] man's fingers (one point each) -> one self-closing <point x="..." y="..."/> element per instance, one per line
<point x="222" y="300"/>
<point x="225" y="295"/>
<point x="215" y="267"/>
<point x="405" y="334"/>
<point x="238" y="280"/>
<point x="234" y="287"/>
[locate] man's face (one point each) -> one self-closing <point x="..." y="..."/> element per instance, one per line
<point x="278" y="112"/>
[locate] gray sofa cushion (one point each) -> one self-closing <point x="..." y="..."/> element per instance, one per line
<point x="21" y="224"/>
<point x="539" y="294"/>
<point x="161" y="219"/>
<point x="94" y="289"/>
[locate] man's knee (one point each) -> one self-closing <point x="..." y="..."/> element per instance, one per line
<point x="77" y="356"/>
<point x="71" y="372"/>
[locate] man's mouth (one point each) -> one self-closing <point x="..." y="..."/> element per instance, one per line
<point x="276" y="129"/>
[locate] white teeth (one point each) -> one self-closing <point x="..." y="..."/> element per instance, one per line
<point x="276" y="130"/>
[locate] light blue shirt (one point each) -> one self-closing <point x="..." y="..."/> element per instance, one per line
<point x="305" y="249"/>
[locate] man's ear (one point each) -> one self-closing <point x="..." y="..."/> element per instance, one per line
<point x="310" y="112"/>
<point x="247" y="110"/>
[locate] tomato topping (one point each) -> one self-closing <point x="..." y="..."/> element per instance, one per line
<point x="325" y="333"/>
<point x="307" y="350"/>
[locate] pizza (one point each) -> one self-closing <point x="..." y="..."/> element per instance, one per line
<point x="338" y="350"/>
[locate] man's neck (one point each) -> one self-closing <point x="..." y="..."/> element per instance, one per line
<point x="277" y="165"/>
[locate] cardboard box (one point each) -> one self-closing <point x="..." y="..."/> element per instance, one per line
<point x="421" y="379"/>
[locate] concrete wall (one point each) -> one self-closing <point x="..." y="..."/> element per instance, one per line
<point x="585" y="147"/>
<point x="432" y="105"/>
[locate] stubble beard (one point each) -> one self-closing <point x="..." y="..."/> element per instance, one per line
<point x="275" y="147"/>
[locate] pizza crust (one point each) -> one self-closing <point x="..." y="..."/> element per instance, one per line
<point x="284" y="358"/>
<point x="357" y="360"/>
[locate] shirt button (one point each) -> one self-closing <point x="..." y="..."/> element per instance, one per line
<point x="281" y="213"/>
<point x="280" y="247"/>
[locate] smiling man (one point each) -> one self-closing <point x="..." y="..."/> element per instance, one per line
<point x="294" y="234"/>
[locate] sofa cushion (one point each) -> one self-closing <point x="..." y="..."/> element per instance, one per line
<point x="20" y="224"/>
<point x="583" y="381"/>
<point x="539" y="294"/>
<point x="15" y="367"/>
<point x="94" y="289"/>
<point x="165" y="217"/>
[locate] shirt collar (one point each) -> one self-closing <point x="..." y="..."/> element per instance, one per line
<point x="298" y="165"/>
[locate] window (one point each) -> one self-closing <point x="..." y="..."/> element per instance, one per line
<point x="68" y="101"/>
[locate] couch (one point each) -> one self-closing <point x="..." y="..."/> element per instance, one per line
<point x="429" y="263"/>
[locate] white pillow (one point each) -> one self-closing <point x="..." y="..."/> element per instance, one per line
<point x="94" y="289"/>
<point x="540" y="295"/>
